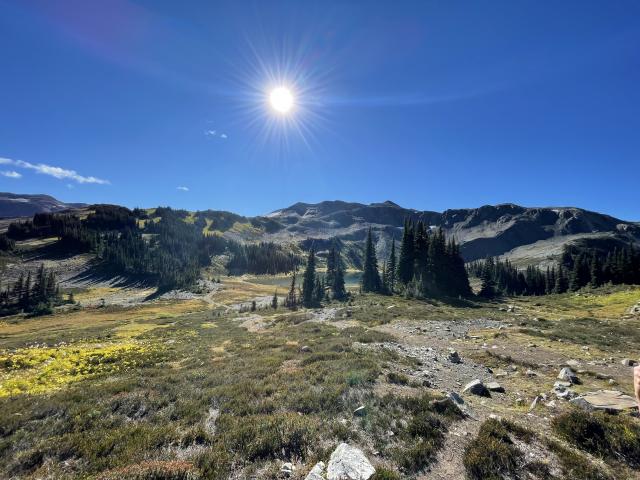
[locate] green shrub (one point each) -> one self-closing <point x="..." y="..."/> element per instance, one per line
<point x="154" y="470"/>
<point x="397" y="378"/>
<point x="383" y="473"/>
<point x="491" y="455"/>
<point x="610" y="437"/>
<point x="574" y="466"/>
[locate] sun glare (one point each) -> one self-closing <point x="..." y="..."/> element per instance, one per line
<point x="281" y="99"/>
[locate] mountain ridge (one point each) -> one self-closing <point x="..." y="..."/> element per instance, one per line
<point x="506" y="229"/>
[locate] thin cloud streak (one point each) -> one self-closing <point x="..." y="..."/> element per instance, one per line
<point x="11" y="174"/>
<point x="53" y="171"/>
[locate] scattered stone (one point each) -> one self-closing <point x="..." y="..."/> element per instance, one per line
<point x="476" y="387"/>
<point x="500" y="373"/>
<point x="608" y="400"/>
<point x="287" y="468"/>
<point x="453" y="356"/>
<point x="317" y="472"/>
<point x="551" y="404"/>
<point x="520" y="401"/>
<point x="513" y="368"/>
<point x="455" y="398"/>
<point x="349" y="463"/>
<point x="531" y="373"/>
<point x="305" y="349"/>
<point x="495" y="387"/>
<point x="562" y="385"/>
<point x="573" y="363"/>
<point x="535" y="402"/>
<point x="627" y="362"/>
<point x="568" y="375"/>
<point x="361" y="411"/>
<point x="564" y="393"/>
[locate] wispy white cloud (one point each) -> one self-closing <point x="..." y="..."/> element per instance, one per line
<point x="53" y="171"/>
<point x="11" y="174"/>
<point x="183" y="189"/>
<point x="215" y="133"/>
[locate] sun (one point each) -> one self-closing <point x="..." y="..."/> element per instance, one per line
<point x="281" y="99"/>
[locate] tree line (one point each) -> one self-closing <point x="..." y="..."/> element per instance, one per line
<point x="578" y="267"/>
<point x="165" y="249"/>
<point x="36" y="295"/>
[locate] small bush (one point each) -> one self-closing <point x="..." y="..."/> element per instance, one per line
<point x="576" y="466"/>
<point x="397" y="378"/>
<point x="610" y="437"/>
<point x="383" y="473"/>
<point x="154" y="470"/>
<point x="491" y="455"/>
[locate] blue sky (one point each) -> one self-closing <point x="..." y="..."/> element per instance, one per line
<point x="433" y="105"/>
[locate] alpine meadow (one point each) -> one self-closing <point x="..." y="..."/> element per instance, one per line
<point x="468" y="307"/>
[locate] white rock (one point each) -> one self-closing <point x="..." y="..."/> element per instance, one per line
<point x="317" y="472"/>
<point x="349" y="463"/>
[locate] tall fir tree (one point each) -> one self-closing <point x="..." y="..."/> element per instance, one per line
<point x="407" y="255"/>
<point x="338" y="290"/>
<point x="309" y="280"/>
<point x="391" y="268"/>
<point x="562" y="282"/>
<point x="370" y="275"/>
<point x="291" y="301"/>
<point x="487" y="289"/>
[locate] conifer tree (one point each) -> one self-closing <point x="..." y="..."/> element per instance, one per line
<point x="338" y="289"/>
<point x="309" y="280"/>
<point x="370" y="274"/>
<point x="595" y="271"/>
<point x="487" y="289"/>
<point x="274" y="300"/>
<point x="291" y="301"/>
<point x="407" y="255"/>
<point x="562" y="283"/>
<point x="391" y="268"/>
<point x="318" y="293"/>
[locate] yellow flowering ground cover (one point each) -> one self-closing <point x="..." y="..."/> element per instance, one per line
<point x="38" y="369"/>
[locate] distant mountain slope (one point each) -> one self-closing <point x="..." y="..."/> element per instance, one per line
<point x="526" y="235"/>
<point x="24" y="205"/>
<point x="488" y="230"/>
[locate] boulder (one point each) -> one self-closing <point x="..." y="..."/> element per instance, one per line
<point x="349" y="463"/>
<point x="495" y="387"/>
<point x="627" y="362"/>
<point x="317" y="472"/>
<point x="305" y="349"/>
<point x="476" y="387"/>
<point x="607" y="400"/>
<point x="568" y="375"/>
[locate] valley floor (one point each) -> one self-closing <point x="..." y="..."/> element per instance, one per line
<point x="190" y="386"/>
